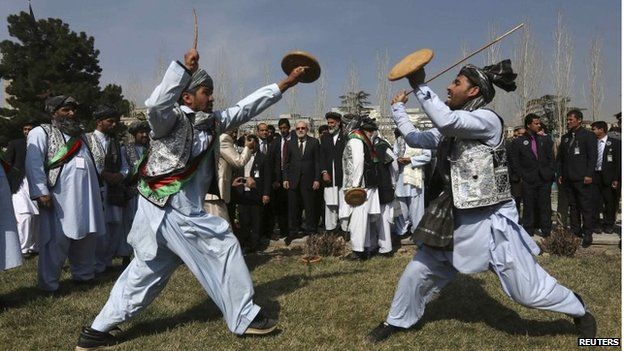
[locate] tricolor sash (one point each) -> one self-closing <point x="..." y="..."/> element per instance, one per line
<point x="65" y="153"/>
<point x="358" y="134"/>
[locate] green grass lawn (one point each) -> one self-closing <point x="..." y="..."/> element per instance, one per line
<point x="330" y="306"/>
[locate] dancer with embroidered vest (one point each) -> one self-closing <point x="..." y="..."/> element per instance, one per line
<point x="478" y="228"/>
<point x="63" y="179"/>
<point x="171" y="227"/>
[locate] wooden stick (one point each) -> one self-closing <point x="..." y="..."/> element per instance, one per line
<point x="196" y="30"/>
<point x="471" y="55"/>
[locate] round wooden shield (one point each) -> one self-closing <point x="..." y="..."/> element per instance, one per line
<point x="355" y="196"/>
<point x="410" y="64"/>
<point x="295" y="59"/>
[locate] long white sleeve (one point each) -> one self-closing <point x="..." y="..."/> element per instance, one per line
<point x="428" y="139"/>
<point x="421" y="160"/>
<point x="36" y="149"/>
<point x="249" y="107"/>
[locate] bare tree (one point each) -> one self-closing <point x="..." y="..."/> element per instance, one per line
<point x="383" y="90"/>
<point x="492" y="56"/>
<point x="293" y="100"/>
<point x="529" y="69"/>
<point x="222" y="94"/>
<point x="595" y="92"/>
<point x="321" y="97"/>
<point x="562" y="70"/>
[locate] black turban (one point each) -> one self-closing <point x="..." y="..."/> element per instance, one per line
<point x="500" y="74"/>
<point x="55" y="102"/>
<point x="106" y="111"/>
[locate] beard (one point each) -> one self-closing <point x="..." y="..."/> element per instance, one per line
<point x="333" y="130"/>
<point x="69" y="126"/>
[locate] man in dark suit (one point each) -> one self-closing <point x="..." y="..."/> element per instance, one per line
<point x="576" y="162"/>
<point x="251" y="191"/>
<point x="277" y="158"/>
<point x="533" y="160"/>
<point x="607" y="177"/>
<point x="302" y="178"/>
<point x="332" y="147"/>
<point x="16" y="157"/>
<point x="514" y="176"/>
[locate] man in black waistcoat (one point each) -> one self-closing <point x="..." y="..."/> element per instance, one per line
<point x="277" y="158"/>
<point x="576" y="162"/>
<point x="607" y="177"/>
<point x="332" y="147"/>
<point x="532" y="158"/>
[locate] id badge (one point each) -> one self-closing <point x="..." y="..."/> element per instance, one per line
<point x="257" y="174"/>
<point x="609" y="158"/>
<point x="80" y="162"/>
<point x="577" y="151"/>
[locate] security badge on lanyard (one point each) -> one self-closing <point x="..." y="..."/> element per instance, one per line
<point x="577" y="149"/>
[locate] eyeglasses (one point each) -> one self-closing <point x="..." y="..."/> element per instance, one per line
<point x="301" y="128"/>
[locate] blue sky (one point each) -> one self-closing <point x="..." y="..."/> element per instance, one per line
<point x="135" y="37"/>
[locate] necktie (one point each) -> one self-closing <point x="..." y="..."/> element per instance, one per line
<point x="284" y="151"/>
<point x="301" y="147"/>
<point x="600" y="154"/>
<point x="534" y="146"/>
<point x="263" y="148"/>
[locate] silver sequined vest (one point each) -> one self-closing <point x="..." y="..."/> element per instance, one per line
<point x="478" y="173"/>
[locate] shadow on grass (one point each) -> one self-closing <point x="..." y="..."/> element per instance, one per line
<point x="466" y="300"/>
<point x="27" y="294"/>
<point x="266" y="295"/>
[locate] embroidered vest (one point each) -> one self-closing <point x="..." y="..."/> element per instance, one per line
<point x="478" y="173"/>
<point x="56" y="140"/>
<point x="171" y="155"/>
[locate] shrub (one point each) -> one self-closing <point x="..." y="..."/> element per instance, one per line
<point x="560" y="242"/>
<point x="325" y="245"/>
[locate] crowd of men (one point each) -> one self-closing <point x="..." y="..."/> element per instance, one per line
<point x="172" y="192"/>
<point x="289" y="184"/>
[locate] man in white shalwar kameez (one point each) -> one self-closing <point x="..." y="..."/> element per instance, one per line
<point x="410" y="189"/>
<point x="171" y="227"/>
<point x="63" y="180"/>
<point x="486" y="232"/>
<point x="359" y="162"/>
<point x="112" y="168"/>
<point x="332" y="147"/>
<point x="381" y="232"/>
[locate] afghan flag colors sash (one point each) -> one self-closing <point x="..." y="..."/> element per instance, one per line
<point x="358" y="134"/>
<point x="65" y="153"/>
<point x="169" y="184"/>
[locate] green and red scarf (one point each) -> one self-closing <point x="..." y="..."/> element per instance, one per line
<point x="65" y="153"/>
<point x="161" y="187"/>
<point x="360" y="135"/>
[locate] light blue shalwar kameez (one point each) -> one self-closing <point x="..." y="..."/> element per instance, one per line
<point x="181" y="232"/>
<point x="70" y="228"/>
<point x="484" y="238"/>
<point x="10" y="254"/>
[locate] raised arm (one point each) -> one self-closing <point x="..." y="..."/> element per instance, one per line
<point x="479" y="124"/>
<point x="426" y="140"/>
<point x="161" y="112"/>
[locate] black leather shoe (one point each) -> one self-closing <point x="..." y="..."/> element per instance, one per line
<point x="261" y="325"/>
<point x="357" y="256"/>
<point x="587" y="240"/>
<point x="91" y="339"/>
<point x="382" y="332"/>
<point x="586" y="326"/>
